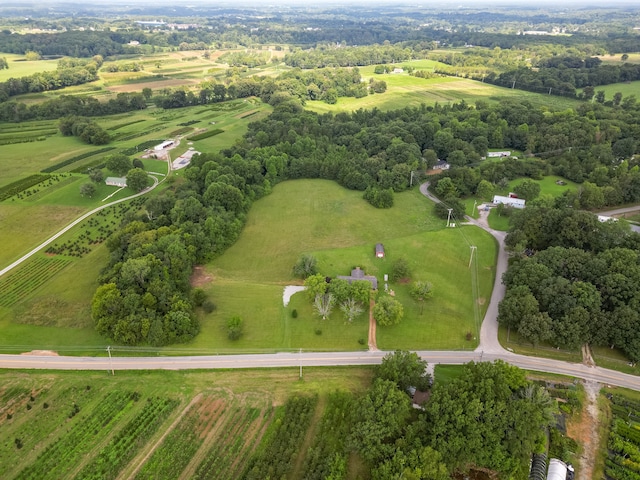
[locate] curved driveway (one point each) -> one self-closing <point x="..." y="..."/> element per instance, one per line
<point x="489" y="349"/>
<point x="73" y="224"/>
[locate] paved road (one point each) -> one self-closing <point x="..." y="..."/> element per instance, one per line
<point x="73" y="224"/>
<point x="489" y="331"/>
<point x="488" y="350"/>
<point x="309" y="359"/>
<point x="621" y="211"/>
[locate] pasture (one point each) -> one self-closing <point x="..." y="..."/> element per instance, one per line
<point x="19" y="67"/>
<point x="164" y="424"/>
<point x="625" y="88"/>
<point x="405" y="90"/>
<point x="340" y="229"/>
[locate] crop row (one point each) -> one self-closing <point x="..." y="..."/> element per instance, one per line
<point x="61" y="455"/>
<point x="128" y="441"/>
<point x="27" y="279"/>
<point x="180" y="131"/>
<point x="133" y="135"/>
<point x="623" y="460"/>
<point x="329" y="444"/>
<point x="77" y="158"/>
<point x="203" y="135"/>
<point x="177" y="449"/>
<point x="11" y="141"/>
<point x="126" y="124"/>
<point x="281" y="448"/>
<point x="224" y="460"/>
<point x="19" y="185"/>
<point x="140" y="147"/>
<point x="188" y="123"/>
<point x="26" y="134"/>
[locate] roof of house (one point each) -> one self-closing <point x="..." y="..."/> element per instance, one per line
<point x="116" y="181"/>
<point x="358" y="274"/>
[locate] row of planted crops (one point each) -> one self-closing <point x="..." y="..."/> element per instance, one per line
<point x="623" y="455"/>
<point x="102" y="433"/>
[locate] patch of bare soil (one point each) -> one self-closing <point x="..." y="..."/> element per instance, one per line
<point x="585" y="431"/>
<point x="44" y="353"/>
<point x="482" y="300"/>
<point x="199" y="277"/>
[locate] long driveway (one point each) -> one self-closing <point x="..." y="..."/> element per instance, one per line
<point x="74" y="223"/>
<point x="488" y="350"/>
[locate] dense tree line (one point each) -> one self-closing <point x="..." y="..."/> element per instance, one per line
<point x="324" y="84"/>
<point x="491" y="417"/>
<point x="87" y="130"/>
<point x="65" y="105"/>
<point x="564" y="78"/>
<point x="341" y="56"/>
<point x="69" y="72"/>
<point x="71" y="43"/>
<point x="579" y="282"/>
<point x="145" y="296"/>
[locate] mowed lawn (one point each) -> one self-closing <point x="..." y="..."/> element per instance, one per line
<point x="341" y="229"/>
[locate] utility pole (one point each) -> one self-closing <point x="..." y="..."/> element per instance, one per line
<point x="449" y="216"/>
<point x="473" y="250"/>
<point x="110" y="361"/>
<point x="411" y="181"/>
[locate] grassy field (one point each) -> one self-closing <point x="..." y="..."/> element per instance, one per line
<point x="19" y="67"/>
<point x="81" y="425"/>
<point x="625" y="88"/>
<point x="340" y="229"/>
<point x="405" y="90"/>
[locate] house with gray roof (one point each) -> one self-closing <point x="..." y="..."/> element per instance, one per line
<point x="358" y="274"/>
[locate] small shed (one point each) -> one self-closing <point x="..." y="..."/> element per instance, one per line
<point x="379" y="250"/>
<point x="558" y="470"/>
<point x="116" y="181"/>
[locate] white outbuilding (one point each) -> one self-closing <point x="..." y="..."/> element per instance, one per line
<point x="510" y="201"/>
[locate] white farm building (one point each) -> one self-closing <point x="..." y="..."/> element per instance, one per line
<point x="163" y="145"/>
<point x="116" y="181"/>
<point x="510" y="201"/>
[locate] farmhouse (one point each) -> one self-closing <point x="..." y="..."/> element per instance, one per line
<point x="163" y="145"/>
<point x="358" y="274"/>
<point x="498" y="154"/>
<point x="510" y="201"/>
<point x="441" y="165"/>
<point x="116" y="181"/>
<point x="379" y="250"/>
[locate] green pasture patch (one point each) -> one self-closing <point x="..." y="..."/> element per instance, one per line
<point x="258" y="305"/>
<point x="405" y="90"/>
<point x="498" y="222"/>
<point x="19" y="67"/>
<point x="304" y="216"/>
<point x="20" y="160"/>
<point x="309" y="332"/>
<point x="443" y="374"/>
<point x="548" y="185"/>
<point x="18" y="236"/>
<point x="159" y="166"/>
<point x="633" y="58"/>
<point x="625" y="88"/>
<point x="441" y="258"/>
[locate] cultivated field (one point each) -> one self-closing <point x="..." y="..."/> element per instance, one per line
<point x="204" y="425"/>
